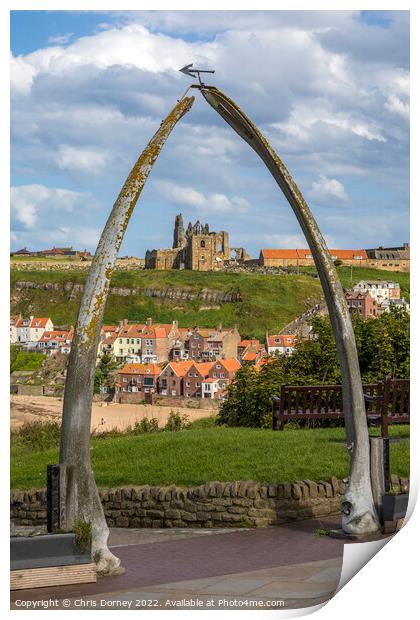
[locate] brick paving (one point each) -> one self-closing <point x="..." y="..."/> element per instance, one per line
<point x="289" y="563"/>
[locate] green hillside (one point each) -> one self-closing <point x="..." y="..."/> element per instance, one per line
<point x="268" y="302"/>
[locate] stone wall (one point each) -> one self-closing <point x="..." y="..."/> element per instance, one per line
<point x="215" y="504"/>
<point x="135" y="398"/>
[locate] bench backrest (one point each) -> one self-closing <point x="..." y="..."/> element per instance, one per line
<point x="388" y="402"/>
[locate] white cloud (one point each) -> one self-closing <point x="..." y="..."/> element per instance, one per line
<point x="83" y="111"/>
<point x="305" y="116"/>
<point x="394" y="104"/>
<point x="212" y="202"/>
<point x="36" y="206"/>
<point x="88" y="160"/>
<point x="60" y="39"/>
<point x="327" y="188"/>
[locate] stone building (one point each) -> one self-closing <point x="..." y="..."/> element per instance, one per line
<point x="195" y="248"/>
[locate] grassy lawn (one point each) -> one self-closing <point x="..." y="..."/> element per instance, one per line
<point x="28" y="361"/>
<point x="198" y="455"/>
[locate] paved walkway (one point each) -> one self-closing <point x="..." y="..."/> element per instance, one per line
<point x="278" y="567"/>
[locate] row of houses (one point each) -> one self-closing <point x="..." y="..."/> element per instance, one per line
<point x="38" y="333"/>
<point x="53" y="252"/>
<point x="156" y="343"/>
<point x="189" y="379"/>
<point x="371" y="298"/>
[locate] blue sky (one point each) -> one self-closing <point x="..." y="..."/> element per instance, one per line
<point x="330" y="90"/>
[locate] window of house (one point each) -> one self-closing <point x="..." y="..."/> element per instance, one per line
<point x="202" y="243"/>
<point x="124" y="379"/>
<point x="188" y="383"/>
<point x="173" y="382"/>
<point x="218" y="366"/>
<point x="222" y="374"/>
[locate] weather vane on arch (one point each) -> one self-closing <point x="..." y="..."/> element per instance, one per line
<point x="195" y="72"/>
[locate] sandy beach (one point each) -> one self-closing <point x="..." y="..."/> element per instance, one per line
<point x="105" y="416"/>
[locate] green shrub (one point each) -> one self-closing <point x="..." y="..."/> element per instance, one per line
<point x="145" y="426"/>
<point x="34" y="436"/>
<point x="176" y="422"/>
<point x="83" y="535"/>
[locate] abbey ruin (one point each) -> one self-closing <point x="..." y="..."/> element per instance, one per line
<point x="194" y="248"/>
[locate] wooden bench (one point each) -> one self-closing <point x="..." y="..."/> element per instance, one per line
<point x="387" y="402"/>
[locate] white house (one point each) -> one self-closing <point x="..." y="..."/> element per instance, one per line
<point x="280" y="343"/>
<point x="14" y="320"/>
<point x="378" y="288"/>
<point x="29" y="330"/>
<point x="52" y="341"/>
<point x="387" y="304"/>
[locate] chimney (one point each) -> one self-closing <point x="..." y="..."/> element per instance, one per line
<point x="219" y="327"/>
<point x="149" y="322"/>
<point x="175" y="324"/>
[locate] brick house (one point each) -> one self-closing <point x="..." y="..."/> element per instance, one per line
<point x="362" y="303"/>
<point x="138" y="378"/>
<point x="222" y="344"/>
<point x="210" y="345"/>
<point x="196" y="342"/>
<point x="220" y="375"/>
<point x="171" y="378"/>
<point x="194" y="377"/>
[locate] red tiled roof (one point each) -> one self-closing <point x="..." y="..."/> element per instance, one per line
<point x="268" y="253"/>
<point x="154" y="332"/>
<point x="230" y="364"/>
<point x="251" y="342"/>
<point x="140" y="369"/>
<point x="135" y="331"/>
<point x="249" y="356"/>
<point x="39" y="321"/>
<point x="281" y="340"/>
<point x="56" y="335"/>
<point x="306" y="253"/>
<point x="180" y="368"/>
<point x="204" y="367"/>
<point x="110" y="339"/>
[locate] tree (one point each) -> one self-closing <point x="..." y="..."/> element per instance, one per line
<point x="106" y="370"/>
<point x="75" y="431"/>
<point x="383" y="348"/>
